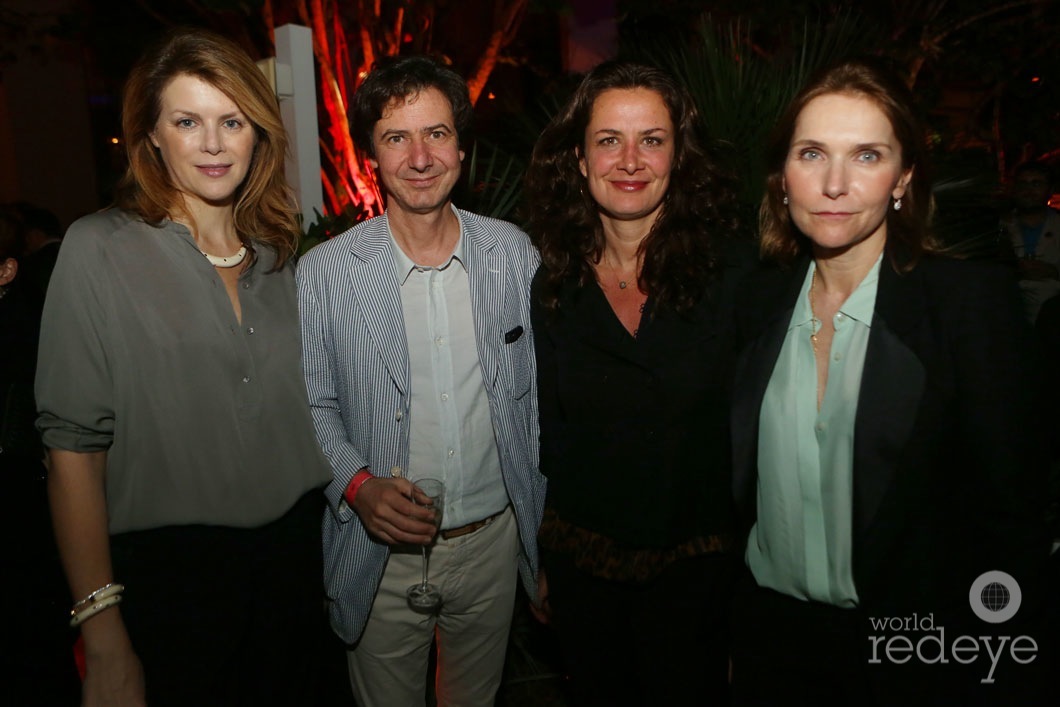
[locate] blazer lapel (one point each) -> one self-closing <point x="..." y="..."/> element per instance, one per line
<point x="892" y="385"/>
<point x="485" y="271"/>
<point x="375" y="289"/>
<point x="776" y="302"/>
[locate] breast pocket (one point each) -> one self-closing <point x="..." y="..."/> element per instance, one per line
<point x="517" y="370"/>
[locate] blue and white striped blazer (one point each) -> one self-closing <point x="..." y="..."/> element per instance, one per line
<point x="356" y="364"/>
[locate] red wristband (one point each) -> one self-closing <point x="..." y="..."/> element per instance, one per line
<point x="355" y="485"/>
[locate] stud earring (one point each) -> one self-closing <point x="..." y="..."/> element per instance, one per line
<point x="898" y="204"/>
<point x="785" y="200"/>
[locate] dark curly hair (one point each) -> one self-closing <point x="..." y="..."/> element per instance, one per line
<point x="680" y="253"/>
<point x="398" y="77"/>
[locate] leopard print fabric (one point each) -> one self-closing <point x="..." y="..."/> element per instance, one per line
<point x="601" y="556"/>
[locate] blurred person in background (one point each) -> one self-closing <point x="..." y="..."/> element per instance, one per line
<point x="1032" y="231"/>
<point x="41" y="238"/>
<point x="40" y="660"/>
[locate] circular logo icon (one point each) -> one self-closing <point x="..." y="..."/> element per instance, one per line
<point x="995" y="596"/>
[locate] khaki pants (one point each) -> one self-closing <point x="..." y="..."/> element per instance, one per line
<point x="476" y="574"/>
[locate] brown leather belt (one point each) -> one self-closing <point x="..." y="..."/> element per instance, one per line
<point x="470" y="527"/>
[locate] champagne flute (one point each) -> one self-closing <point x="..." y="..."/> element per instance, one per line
<point x="429" y="493"/>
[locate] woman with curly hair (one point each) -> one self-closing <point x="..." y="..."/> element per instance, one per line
<point x="629" y="313"/>
<point x="183" y="463"/>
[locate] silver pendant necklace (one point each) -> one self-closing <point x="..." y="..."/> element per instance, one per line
<point x="622" y="284"/>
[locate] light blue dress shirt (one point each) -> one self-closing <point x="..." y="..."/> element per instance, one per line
<point x="451" y="433"/>
<point x="801" y="544"/>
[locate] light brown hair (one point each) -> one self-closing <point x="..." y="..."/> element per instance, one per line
<point x="907" y="230"/>
<point x="264" y="209"/>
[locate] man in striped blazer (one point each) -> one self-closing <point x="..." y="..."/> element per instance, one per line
<point x="419" y="362"/>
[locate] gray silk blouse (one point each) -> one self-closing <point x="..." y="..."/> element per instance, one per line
<point x="204" y="419"/>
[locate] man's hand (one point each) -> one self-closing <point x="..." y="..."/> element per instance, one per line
<point x="386" y="509"/>
<point x="542" y="610"/>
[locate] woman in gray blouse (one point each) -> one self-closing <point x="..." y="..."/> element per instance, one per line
<point x="185" y="476"/>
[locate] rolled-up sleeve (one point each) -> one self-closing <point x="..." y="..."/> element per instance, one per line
<point x="74" y="386"/>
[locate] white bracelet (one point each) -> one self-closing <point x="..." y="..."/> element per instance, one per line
<point x="107" y="590"/>
<point x="85" y="614"/>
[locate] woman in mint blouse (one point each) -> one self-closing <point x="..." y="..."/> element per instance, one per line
<point x="880" y="418"/>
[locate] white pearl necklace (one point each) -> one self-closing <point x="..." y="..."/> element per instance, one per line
<point x="230" y="262"/>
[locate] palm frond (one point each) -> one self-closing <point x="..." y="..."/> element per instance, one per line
<point x="740" y="91"/>
<point x="494" y="182"/>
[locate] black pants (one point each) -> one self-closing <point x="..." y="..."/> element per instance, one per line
<point x="226" y="616"/>
<point x="791" y="652"/>
<point x="37" y="642"/>
<point x="660" y="643"/>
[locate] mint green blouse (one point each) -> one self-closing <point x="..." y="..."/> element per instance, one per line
<point x="801" y="543"/>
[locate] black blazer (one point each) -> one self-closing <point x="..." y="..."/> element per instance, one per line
<point x="947" y="482"/>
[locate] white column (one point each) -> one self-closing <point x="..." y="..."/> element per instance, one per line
<point x="297" y="91"/>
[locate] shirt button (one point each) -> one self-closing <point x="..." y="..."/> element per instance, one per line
<point x="819" y="427"/>
<point x="399" y="416"/>
<point x="440" y="340"/>
<point x="246" y="379"/>
<point x="246" y="285"/>
<point x="839" y="316"/>
<point x="839" y="357"/>
<point x="451" y="452"/>
<point x="445" y="396"/>
<point x="250" y="330"/>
